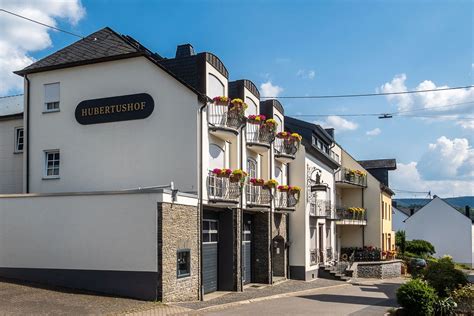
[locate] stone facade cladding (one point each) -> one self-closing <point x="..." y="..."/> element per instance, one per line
<point x="261" y="243"/>
<point x="178" y="228"/>
<point x="279" y="229"/>
<point x="377" y="270"/>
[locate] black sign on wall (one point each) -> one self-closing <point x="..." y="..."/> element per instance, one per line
<point x="114" y="109"/>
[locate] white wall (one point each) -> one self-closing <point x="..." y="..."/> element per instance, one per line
<point x="118" y="155"/>
<point x="11" y="163"/>
<point x="448" y="230"/>
<point x="398" y="218"/>
<point x="94" y="232"/>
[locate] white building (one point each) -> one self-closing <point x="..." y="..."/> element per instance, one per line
<point x="450" y="231"/>
<point x="11" y="144"/>
<point x="398" y="219"/>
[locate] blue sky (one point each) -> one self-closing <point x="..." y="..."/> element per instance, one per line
<point x="326" y="47"/>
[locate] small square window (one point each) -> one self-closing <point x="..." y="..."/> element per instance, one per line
<point x="183" y="266"/>
<point x="19" y="139"/>
<point x="51" y="97"/>
<point x="52" y="163"/>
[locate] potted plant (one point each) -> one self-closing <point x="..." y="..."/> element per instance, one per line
<point x="295" y="137"/>
<point x="221" y="100"/>
<point x="270" y="184"/>
<point x="283" y="188"/>
<point x="257" y="182"/>
<point x="238" y="106"/>
<point x="270" y="125"/>
<point x="238" y="175"/>
<point x="282" y="135"/>
<point x="256" y="119"/>
<point x="222" y="173"/>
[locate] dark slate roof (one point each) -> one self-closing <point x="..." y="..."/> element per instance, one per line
<point x="102" y="44"/>
<point x="315" y="128"/>
<point x="268" y="105"/>
<point x="236" y="88"/>
<point x="389" y="164"/>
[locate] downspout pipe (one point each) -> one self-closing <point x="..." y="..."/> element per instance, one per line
<point x="27" y="125"/>
<point x="242" y="148"/>
<point x="200" y="203"/>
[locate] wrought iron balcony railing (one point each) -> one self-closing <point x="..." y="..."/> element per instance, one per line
<point x="285" y="200"/>
<point x="222" y="189"/>
<point x="286" y="147"/>
<point x="258" y="135"/>
<point x="257" y="195"/>
<point x="355" y="177"/>
<point x="219" y="116"/>
<point x="351" y="214"/>
<point x="320" y="208"/>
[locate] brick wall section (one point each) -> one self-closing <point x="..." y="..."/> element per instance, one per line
<point x="279" y="229"/>
<point x="178" y="228"/>
<point x="237" y="248"/>
<point x="261" y="241"/>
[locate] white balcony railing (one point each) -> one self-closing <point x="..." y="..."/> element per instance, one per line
<point x="354" y="177"/>
<point x="285" y="200"/>
<point x="219" y="116"/>
<point x="320" y="208"/>
<point x="222" y="189"/>
<point x="286" y="147"/>
<point x="258" y="135"/>
<point x="257" y="195"/>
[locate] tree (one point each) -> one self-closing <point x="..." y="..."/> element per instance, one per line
<point x="420" y="247"/>
<point x="400" y="241"/>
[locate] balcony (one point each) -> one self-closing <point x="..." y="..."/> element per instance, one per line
<point x="223" y="190"/>
<point x="350" y="178"/>
<point x="286" y="146"/>
<point x="259" y="136"/>
<point x="257" y="196"/>
<point x="351" y="216"/>
<point x="224" y="120"/>
<point x="286" y="200"/>
<point x="320" y="208"/>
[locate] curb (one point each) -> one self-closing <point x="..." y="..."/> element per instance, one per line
<point x="266" y="298"/>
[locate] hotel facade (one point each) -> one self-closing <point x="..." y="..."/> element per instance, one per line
<point x="159" y="178"/>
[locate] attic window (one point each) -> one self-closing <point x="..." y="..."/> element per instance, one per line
<point x="51" y="97"/>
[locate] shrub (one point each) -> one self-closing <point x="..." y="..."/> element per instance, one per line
<point x="445" y="306"/>
<point x="400" y="241"/>
<point x="443" y="276"/>
<point x="420" y="247"/>
<point x="464" y="297"/>
<point x="417" y="298"/>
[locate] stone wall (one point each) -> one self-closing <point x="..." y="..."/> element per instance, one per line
<point x="279" y="237"/>
<point x="178" y="228"/>
<point x="261" y="241"/>
<point x="377" y="270"/>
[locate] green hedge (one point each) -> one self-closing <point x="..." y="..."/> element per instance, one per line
<point x="417" y="298"/>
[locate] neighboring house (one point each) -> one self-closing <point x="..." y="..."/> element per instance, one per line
<point x="366" y="204"/>
<point x="11" y="144"/>
<point x="450" y="231"/>
<point x="109" y="124"/>
<point x="399" y="215"/>
<point x="313" y="225"/>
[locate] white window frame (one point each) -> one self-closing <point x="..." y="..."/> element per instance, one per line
<point x="17" y="139"/>
<point x="45" y="172"/>
<point x="55" y="102"/>
<point x="210" y="231"/>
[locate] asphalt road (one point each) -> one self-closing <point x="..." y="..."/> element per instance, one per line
<point x="367" y="298"/>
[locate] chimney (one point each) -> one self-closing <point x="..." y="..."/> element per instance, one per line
<point x="330" y="131"/>
<point x="184" y="50"/>
<point x="412" y="211"/>
<point x="468" y="211"/>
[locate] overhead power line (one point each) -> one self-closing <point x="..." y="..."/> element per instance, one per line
<point x="366" y="94"/>
<point x="41" y="23"/>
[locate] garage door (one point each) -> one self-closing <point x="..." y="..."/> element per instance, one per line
<point x="210" y="254"/>
<point x="247" y="251"/>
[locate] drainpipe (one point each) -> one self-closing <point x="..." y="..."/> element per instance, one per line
<point x="241" y="147"/>
<point x="363" y="227"/>
<point x="271" y="213"/>
<point x="27" y="167"/>
<point x="200" y="204"/>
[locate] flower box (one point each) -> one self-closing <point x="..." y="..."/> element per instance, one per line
<point x="256" y="119"/>
<point x="221" y="100"/>
<point x="271" y="184"/>
<point x="222" y="173"/>
<point x="238" y="175"/>
<point x="257" y="182"/>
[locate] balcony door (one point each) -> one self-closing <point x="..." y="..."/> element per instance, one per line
<point x="216" y="160"/>
<point x="252" y="169"/>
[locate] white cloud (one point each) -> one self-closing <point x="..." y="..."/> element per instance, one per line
<point x="376" y="131"/>
<point x="340" y="124"/>
<point x="446" y="169"/>
<point x="21" y="37"/>
<point x="270" y="90"/>
<point x="466" y="124"/>
<point x="397" y="84"/>
<point x="407" y="177"/>
<point x="434" y="102"/>
<point x="447" y="159"/>
<point x="306" y="74"/>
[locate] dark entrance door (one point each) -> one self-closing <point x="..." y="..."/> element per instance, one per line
<point x="210" y="246"/>
<point x="247" y="249"/>
<point x="279" y="256"/>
